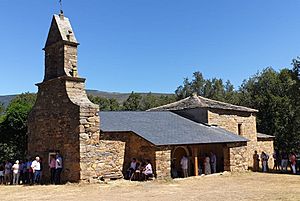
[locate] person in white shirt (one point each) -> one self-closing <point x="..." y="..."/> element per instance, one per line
<point x="264" y="158"/>
<point x="184" y="166"/>
<point x="36" y="168"/>
<point x="16" y="173"/>
<point x="58" y="168"/>
<point x="148" y="172"/>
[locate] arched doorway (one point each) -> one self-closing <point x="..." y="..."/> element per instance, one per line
<point x="177" y="154"/>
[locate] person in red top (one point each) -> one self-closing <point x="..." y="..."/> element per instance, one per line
<point x="293" y="162"/>
<point x="52" y="164"/>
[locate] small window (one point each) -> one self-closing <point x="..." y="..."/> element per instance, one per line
<point x="240" y="129"/>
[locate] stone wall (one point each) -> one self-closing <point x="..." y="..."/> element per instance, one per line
<point x="102" y="160"/>
<point x="139" y="148"/>
<point x="64" y="119"/>
<point x="70" y="61"/>
<point x="229" y="120"/>
<point x="235" y="157"/>
<point x="53" y="125"/>
<point x="163" y="163"/>
<point x="266" y="145"/>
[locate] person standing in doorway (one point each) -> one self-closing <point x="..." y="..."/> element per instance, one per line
<point x="213" y="162"/>
<point x="52" y="167"/>
<point x="184" y="165"/>
<point x="58" y="167"/>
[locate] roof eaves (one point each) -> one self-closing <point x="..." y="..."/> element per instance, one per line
<point x="131" y="132"/>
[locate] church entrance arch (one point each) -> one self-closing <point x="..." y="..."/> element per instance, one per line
<point x="177" y="154"/>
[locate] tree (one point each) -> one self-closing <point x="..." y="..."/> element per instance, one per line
<point x="198" y="83"/>
<point x="1" y="108"/>
<point x="132" y="103"/>
<point x="271" y="93"/>
<point x="13" y="129"/>
<point x="184" y="90"/>
<point x="151" y="101"/>
<point x="148" y="101"/>
<point x="209" y="88"/>
<point x="105" y="104"/>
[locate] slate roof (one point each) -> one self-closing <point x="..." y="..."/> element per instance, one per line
<point x="165" y="128"/>
<point x="264" y="136"/>
<point x="195" y="101"/>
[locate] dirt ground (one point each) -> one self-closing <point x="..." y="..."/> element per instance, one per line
<point x="226" y="187"/>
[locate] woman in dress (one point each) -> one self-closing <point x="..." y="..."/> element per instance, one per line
<point x="207" y="168"/>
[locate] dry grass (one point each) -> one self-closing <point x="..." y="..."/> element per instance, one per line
<point x="227" y="187"/>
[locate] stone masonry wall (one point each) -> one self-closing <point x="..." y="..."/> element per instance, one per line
<point x="135" y="147"/>
<point x="229" y="120"/>
<point x="64" y="119"/>
<point x="163" y="163"/>
<point x="267" y="146"/>
<point x="70" y="61"/>
<point x="102" y="160"/>
<point x="53" y="125"/>
<point x="235" y="157"/>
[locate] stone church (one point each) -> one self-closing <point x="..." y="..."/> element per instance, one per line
<point x="101" y="144"/>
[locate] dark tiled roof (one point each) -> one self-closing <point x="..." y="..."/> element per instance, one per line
<point x="264" y="136"/>
<point x="195" y="101"/>
<point x="165" y="128"/>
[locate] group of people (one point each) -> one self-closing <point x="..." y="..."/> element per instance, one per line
<point x="281" y="161"/>
<point x="29" y="171"/>
<point x="209" y="164"/>
<point x="140" y="170"/>
<point x="206" y="165"/>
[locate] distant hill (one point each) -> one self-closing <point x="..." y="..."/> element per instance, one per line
<point x="120" y="97"/>
<point x="6" y="99"/>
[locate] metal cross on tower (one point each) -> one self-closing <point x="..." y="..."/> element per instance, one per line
<point x="60" y="4"/>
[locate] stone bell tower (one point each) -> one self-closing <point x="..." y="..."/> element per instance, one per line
<point x="63" y="119"/>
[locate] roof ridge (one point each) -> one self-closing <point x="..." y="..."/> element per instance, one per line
<point x="225" y="103"/>
<point x="168" y="105"/>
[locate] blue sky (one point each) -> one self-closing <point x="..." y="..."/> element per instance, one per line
<point x="150" y="45"/>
